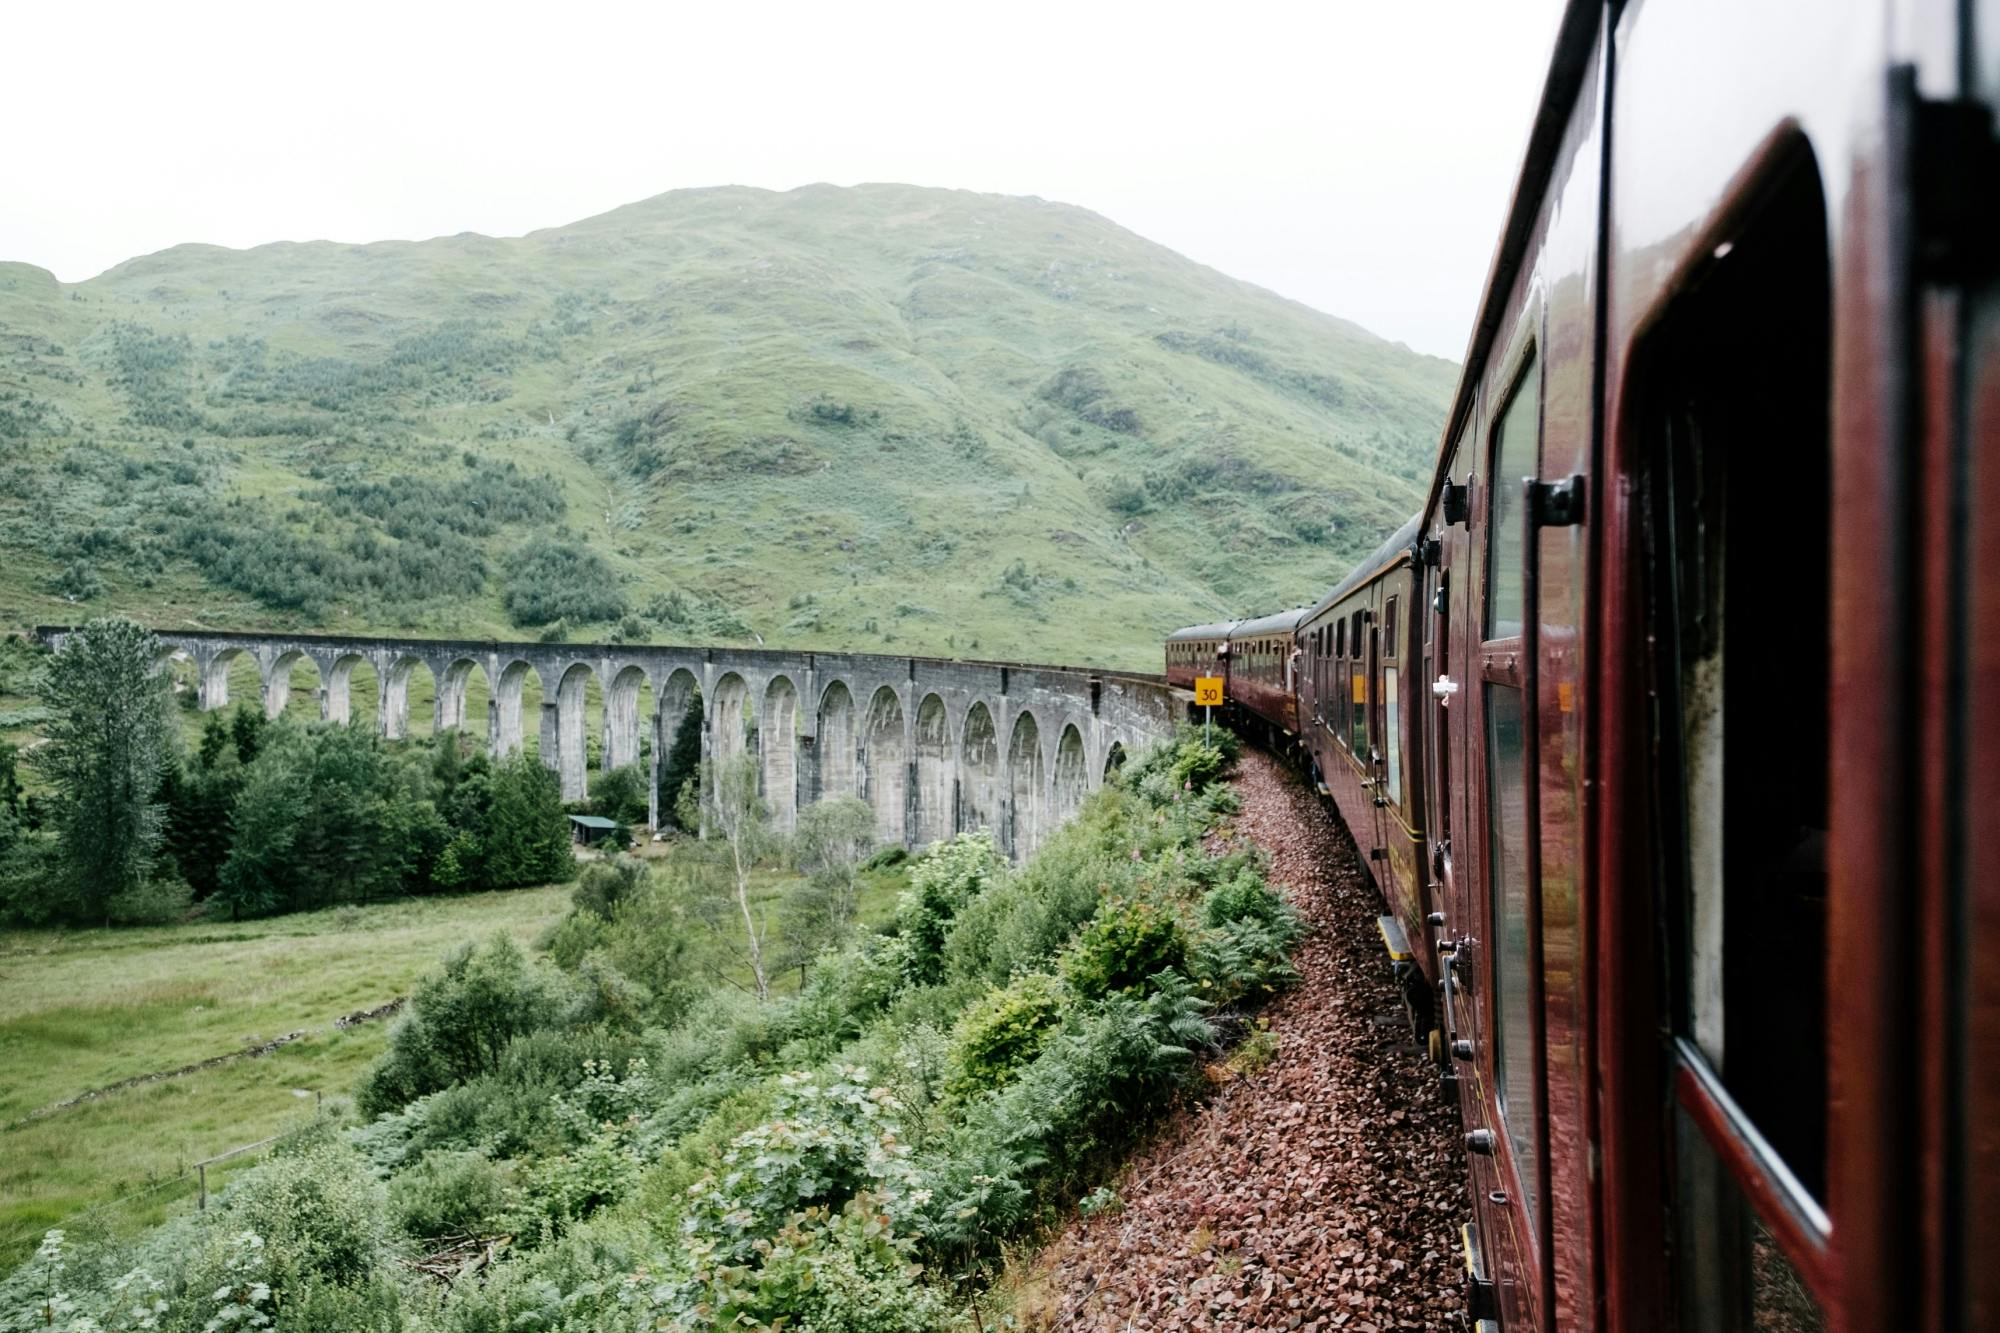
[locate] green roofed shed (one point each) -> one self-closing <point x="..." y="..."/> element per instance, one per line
<point x="588" y="829"/>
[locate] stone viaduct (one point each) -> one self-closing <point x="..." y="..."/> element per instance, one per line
<point x="935" y="746"/>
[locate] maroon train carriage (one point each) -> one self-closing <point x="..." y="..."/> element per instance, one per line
<point x="1198" y="650"/>
<point x="1262" y="667"/>
<point x="1363" y="655"/>
<point x="1682" y="788"/>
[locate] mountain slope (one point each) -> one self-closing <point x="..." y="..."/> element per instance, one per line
<point x="854" y="418"/>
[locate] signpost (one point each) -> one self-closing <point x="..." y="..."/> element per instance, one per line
<point x="1207" y="693"/>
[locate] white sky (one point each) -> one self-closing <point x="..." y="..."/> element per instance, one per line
<point x="1354" y="154"/>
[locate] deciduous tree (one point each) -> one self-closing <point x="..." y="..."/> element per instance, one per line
<point x="717" y="868"/>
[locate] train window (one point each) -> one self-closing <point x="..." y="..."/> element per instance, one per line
<point x="1389" y="646"/>
<point x="1516" y="448"/>
<point x="1733" y="390"/>
<point x="1514" y="458"/>
<point x="1357" y="737"/>
<point x="1392" y="738"/>
<point x="1507" y="881"/>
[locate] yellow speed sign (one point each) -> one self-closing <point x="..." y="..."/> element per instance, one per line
<point x="1208" y="691"/>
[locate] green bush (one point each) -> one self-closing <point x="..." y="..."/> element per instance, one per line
<point x="460" y="1022"/>
<point x="1022" y="922"/>
<point x="604" y="886"/>
<point x="1245" y="946"/>
<point x="945" y="879"/>
<point x="1124" y="947"/>
<point x="319" y="1212"/>
<point x="448" y="1194"/>
<point x="550" y="579"/>
<point x="620" y="793"/>
<point x="1003" y="1032"/>
<point x="153" y="902"/>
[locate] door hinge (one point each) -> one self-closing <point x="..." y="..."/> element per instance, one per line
<point x="1559" y="504"/>
<point x="1955" y="183"/>
<point x="1429" y="550"/>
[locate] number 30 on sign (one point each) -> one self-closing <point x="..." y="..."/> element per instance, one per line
<point x="1208" y="691"/>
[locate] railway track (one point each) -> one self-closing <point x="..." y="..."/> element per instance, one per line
<point x="1322" y="1192"/>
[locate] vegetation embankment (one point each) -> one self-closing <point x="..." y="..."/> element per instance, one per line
<point x="717" y="416"/>
<point x="621" y="1134"/>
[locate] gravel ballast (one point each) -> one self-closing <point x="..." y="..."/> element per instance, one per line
<point x="1324" y="1191"/>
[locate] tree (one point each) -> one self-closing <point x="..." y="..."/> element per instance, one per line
<point x="834" y="836"/>
<point x="620" y="794"/>
<point x="527" y="830"/>
<point x="683" y="761"/>
<point x="323" y="818"/>
<point x="716" y="868"/>
<point x="109" y="737"/>
<point x="10" y="779"/>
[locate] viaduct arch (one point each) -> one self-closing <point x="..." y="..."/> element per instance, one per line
<point x="935" y="746"/>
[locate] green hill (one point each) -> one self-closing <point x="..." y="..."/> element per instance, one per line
<point x="883" y="418"/>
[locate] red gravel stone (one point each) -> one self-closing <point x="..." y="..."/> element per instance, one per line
<point x="1323" y="1193"/>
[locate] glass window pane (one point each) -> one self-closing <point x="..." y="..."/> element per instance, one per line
<point x="1507" y="815"/>
<point x="1514" y="454"/>
<point x="1392" y="737"/>
<point x="1358" y="740"/>
<point x="1734" y="1278"/>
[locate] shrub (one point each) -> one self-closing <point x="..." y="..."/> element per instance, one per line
<point x="620" y="793"/>
<point x="844" y="1269"/>
<point x="946" y="877"/>
<point x="448" y="1194"/>
<point x="1003" y="1032"/>
<point x="834" y="1137"/>
<point x="1126" y="945"/>
<point x="551" y="579"/>
<point x="606" y="885"/>
<point x="459" y="1023"/>
<point x="319" y="1213"/>
<point x="152" y="902"/>
<point x="1245" y="896"/>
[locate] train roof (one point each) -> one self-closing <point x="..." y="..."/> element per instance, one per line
<point x="1576" y="35"/>
<point x="1398" y="544"/>
<point x="1282" y="622"/>
<point x="1219" y="630"/>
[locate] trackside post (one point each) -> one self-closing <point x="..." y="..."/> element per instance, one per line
<point x="1207" y="693"/>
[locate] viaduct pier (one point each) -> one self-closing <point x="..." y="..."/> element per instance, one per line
<point x="935" y="746"/>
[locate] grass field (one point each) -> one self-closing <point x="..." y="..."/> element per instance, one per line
<point x="82" y="1009"/>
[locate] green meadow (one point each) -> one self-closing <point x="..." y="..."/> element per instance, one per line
<point x="84" y="1009"/>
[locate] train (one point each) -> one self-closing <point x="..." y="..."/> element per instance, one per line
<point x="1669" y="726"/>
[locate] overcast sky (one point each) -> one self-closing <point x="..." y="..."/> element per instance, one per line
<point x="1354" y="154"/>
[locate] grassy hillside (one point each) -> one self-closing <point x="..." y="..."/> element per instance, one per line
<point x="880" y="418"/>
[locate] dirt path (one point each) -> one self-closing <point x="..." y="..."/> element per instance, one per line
<point x="1324" y="1192"/>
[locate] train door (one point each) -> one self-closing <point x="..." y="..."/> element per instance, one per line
<point x="1378" y="788"/>
<point x="1501" y="964"/>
